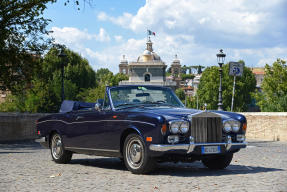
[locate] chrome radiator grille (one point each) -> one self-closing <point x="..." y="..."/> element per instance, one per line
<point x="206" y="127"/>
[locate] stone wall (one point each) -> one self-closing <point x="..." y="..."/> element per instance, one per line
<point x="18" y="126"/>
<point x="271" y="126"/>
<point x="262" y="126"/>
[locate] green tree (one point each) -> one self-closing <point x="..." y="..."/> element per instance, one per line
<point x="92" y="95"/>
<point x="104" y="78"/>
<point x="186" y="76"/>
<point x="23" y="39"/>
<point x="274" y="88"/>
<point x="44" y="94"/>
<point x="209" y="84"/>
<point x="77" y="69"/>
<point x="119" y="77"/>
<point x="180" y="94"/>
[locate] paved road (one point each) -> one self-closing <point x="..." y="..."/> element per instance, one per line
<point x="27" y="166"/>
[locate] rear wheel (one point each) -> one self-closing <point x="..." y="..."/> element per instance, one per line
<point x="135" y="155"/>
<point x="218" y="162"/>
<point x="59" y="154"/>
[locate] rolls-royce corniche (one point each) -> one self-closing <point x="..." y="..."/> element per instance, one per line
<point x="142" y="125"/>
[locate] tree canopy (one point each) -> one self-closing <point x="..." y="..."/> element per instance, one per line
<point x="81" y="82"/>
<point x="209" y="84"/>
<point x="23" y="39"/>
<point x="44" y="93"/>
<point x="104" y="78"/>
<point x="274" y="88"/>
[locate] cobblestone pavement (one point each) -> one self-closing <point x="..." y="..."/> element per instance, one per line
<point x="27" y="166"/>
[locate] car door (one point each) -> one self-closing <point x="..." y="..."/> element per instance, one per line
<point x="84" y="129"/>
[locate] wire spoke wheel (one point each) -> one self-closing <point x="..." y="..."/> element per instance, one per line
<point x="58" y="152"/>
<point x="57" y="147"/>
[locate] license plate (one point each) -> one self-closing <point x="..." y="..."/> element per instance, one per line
<point x="210" y="149"/>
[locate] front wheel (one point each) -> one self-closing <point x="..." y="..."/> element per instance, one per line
<point x="218" y="162"/>
<point x="135" y="155"/>
<point x="59" y="154"/>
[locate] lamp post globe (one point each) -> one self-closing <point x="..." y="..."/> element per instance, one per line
<point x="62" y="55"/>
<point x="220" y="59"/>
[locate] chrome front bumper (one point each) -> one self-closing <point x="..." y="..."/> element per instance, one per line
<point x="189" y="148"/>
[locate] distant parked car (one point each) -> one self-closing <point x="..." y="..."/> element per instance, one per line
<point x="143" y="125"/>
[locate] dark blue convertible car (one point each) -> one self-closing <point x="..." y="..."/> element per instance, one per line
<point x="143" y="125"/>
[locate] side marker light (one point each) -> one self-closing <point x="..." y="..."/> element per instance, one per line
<point x="149" y="139"/>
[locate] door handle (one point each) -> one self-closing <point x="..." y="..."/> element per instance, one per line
<point x="79" y="117"/>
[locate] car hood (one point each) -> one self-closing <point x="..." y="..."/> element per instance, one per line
<point x="175" y="113"/>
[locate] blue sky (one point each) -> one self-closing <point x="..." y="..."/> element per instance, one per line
<point x="254" y="31"/>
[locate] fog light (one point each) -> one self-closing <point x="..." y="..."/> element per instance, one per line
<point x="173" y="139"/>
<point x="191" y="139"/>
<point x="240" y="138"/>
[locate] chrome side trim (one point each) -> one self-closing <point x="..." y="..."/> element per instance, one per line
<point x="96" y="121"/>
<point x="190" y="147"/>
<point x="92" y="149"/>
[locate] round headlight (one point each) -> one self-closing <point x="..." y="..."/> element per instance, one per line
<point x="235" y="126"/>
<point x="184" y="127"/>
<point x="227" y="127"/>
<point x="174" y="127"/>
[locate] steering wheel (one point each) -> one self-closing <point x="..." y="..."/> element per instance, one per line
<point x="160" y="101"/>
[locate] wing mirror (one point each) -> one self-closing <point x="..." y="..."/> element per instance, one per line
<point x="98" y="107"/>
<point x="99" y="104"/>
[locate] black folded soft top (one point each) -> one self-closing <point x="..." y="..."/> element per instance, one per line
<point x="68" y="106"/>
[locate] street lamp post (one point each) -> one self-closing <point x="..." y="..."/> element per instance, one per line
<point x="220" y="59"/>
<point x="62" y="55"/>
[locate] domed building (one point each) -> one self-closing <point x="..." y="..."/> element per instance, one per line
<point x="149" y="69"/>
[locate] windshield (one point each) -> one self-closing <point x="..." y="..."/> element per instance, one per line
<point x="133" y="96"/>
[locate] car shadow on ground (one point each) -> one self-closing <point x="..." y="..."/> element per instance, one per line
<point x="176" y="169"/>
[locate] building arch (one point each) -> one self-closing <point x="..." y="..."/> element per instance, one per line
<point x="147" y="77"/>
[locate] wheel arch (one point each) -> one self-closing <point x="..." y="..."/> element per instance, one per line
<point x="125" y="133"/>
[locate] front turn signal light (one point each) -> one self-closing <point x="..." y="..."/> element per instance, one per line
<point x="163" y="129"/>
<point x="149" y="139"/>
<point x="244" y="127"/>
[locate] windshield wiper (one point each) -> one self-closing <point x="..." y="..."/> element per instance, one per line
<point x="159" y="102"/>
<point x="125" y="104"/>
<point x="128" y="105"/>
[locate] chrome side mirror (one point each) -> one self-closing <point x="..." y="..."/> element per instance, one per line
<point x="98" y="107"/>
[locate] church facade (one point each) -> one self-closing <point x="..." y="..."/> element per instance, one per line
<point x="149" y="69"/>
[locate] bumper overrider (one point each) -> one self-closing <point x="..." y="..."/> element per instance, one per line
<point x="190" y="148"/>
<point x="43" y="141"/>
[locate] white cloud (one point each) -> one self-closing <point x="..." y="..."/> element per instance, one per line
<point x="102" y="36"/>
<point x="195" y="30"/>
<point x="71" y="35"/>
<point x="102" y="16"/>
<point x="242" y="17"/>
<point x="259" y="56"/>
<point x="118" y="38"/>
<point x="166" y="46"/>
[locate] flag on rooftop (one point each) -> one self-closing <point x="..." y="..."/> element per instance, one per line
<point x="149" y="32"/>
